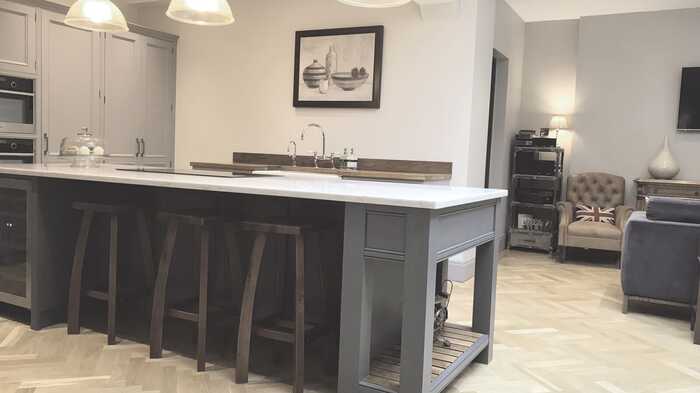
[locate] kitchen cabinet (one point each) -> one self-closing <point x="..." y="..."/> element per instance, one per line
<point x="121" y="86"/>
<point x="159" y="97"/>
<point x="18" y="36"/>
<point x="124" y="115"/>
<point x="71" y="81"/>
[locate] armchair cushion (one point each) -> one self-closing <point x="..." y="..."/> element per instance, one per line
<point x="674" y="209"/>
<point x="598" y="230"/>
<point x="595" y="214"/>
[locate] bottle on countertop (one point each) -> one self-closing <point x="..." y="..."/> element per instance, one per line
<point x="343" y="161"/>
<point x="352" y="160"/>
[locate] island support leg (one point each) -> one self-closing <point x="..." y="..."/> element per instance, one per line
<point x="418" y="307"/>
<point x="484" y="310"/>
<point x="356" y="300"/>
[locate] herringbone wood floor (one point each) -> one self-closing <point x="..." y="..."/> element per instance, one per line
<point x="559" y="329"/>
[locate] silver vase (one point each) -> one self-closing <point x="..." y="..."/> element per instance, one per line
<point x="664" y="166"/>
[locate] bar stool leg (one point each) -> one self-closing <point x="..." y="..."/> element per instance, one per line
<point x="299" y="340"/>
<point x="159" y="291"/>
<point x="233" y="261"/>
<point x="112" y="288"/>
<point x="146" y="247"/>
<point x="246" y="321"/>
<point x="203" y="294"/>
<point x="75" y="291"/>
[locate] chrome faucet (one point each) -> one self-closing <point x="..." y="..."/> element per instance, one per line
<point x="323" y="136"/>
<point x="292" y="153"/>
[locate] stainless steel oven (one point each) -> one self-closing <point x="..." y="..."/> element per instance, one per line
<point x="16" y="151"/>
<point x="16" y="105"/>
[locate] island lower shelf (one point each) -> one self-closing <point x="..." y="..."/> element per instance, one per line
<point x="465" y="346"/>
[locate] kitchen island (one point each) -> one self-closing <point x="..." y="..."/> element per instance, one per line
<point x="395" y="238"/>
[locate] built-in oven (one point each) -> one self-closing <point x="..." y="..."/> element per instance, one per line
<point x="16" y="151"/>
<point x="16" y="105"/>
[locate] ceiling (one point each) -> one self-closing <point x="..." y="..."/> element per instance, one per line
<point x="541" y="10"/>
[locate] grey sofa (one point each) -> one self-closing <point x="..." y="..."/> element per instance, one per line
<point x="593" y="189"/>
<point x="660" y="253"/>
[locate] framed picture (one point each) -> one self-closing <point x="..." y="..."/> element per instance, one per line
<point x="338" y="68"/>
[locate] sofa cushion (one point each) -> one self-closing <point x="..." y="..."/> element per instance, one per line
<point x="595" y="214"/>
<point x="598" y="230"/>
<point x="673" y="209"/>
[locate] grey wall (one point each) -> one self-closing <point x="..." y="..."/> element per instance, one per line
<point x="629" y="70"/>
<point x="549" y="83"/>
<point x="618" y="77"/>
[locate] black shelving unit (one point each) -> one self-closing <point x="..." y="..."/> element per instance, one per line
<point x="536" y="187"/>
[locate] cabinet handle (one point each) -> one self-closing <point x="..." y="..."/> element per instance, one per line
<point x="138" y="147"/>
<point x="46" y="144"/>
<point x="143" y="147"/>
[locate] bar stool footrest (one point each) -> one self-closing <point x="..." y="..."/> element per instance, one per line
<point x="278" y="329"/>
<point x="188" y="310"/>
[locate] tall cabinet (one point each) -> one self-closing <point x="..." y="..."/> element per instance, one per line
<point x="71" y="81"/>
<point x="18" y="33"/>
<point x="121" y="86"/>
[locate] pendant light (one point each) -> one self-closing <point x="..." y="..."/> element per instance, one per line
<point x="201" y="12"/>
<point x="96" y="15"/>
<point x="375" y="3"/>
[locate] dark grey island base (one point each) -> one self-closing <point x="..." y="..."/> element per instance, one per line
<point x="390" y="269"/>
<point x="384" y="262"/>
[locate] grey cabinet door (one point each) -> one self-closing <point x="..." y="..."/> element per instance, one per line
<point x="18" y="37"/>
<point x="124" y="104"/>
<point x="71" y="80"/>
<point x="159" y="97"/>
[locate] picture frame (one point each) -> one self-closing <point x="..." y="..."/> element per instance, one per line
<point x="338" y="68"/>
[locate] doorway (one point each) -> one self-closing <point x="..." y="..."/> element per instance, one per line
<point x="499" y="139"/>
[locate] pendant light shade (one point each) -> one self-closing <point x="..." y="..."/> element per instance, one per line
<point x="375" y="3"/>
<point x="201" y="12"/>
<point x="96" y="15"/>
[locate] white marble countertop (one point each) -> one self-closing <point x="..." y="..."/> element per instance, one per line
<point x="330" y="188"/>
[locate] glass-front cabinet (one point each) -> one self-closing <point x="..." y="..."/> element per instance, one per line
<point x="14" y="242"/>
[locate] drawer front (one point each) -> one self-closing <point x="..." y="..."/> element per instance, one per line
<point x="540" y="241"/>
<point x="675" y="192"/>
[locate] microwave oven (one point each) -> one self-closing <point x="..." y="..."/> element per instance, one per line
<point x="16" y="105"/>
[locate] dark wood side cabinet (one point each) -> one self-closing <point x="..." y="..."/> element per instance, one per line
<point x="668" y="188"/>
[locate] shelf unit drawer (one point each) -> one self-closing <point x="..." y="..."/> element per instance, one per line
<point x="531" y="240"/>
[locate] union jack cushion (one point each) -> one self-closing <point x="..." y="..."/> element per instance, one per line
<point x="595" y="214"/>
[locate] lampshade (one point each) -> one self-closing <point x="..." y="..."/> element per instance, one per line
<point x="201" y="12"/>
<point x="375" y="3"/>
<point x="97" y="15"/>
<point x="558" y="122"/>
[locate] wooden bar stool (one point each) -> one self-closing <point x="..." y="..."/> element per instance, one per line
<point x="296" y="332"/>
<point x="203" y="224"/>
<point x="114" y="212"/>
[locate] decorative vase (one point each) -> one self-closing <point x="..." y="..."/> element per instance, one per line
<point x="313" y="75"/>
<point x="331" y="62"/>
<point x="664" y="166"/>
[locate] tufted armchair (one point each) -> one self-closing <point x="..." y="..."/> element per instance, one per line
<point x="594" y="189"/>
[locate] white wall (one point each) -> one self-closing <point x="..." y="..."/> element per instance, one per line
<point x="629" y="73"/>
<point x="235" y="83"/>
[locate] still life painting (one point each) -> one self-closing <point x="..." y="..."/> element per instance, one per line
<point x="338" y="68"/>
